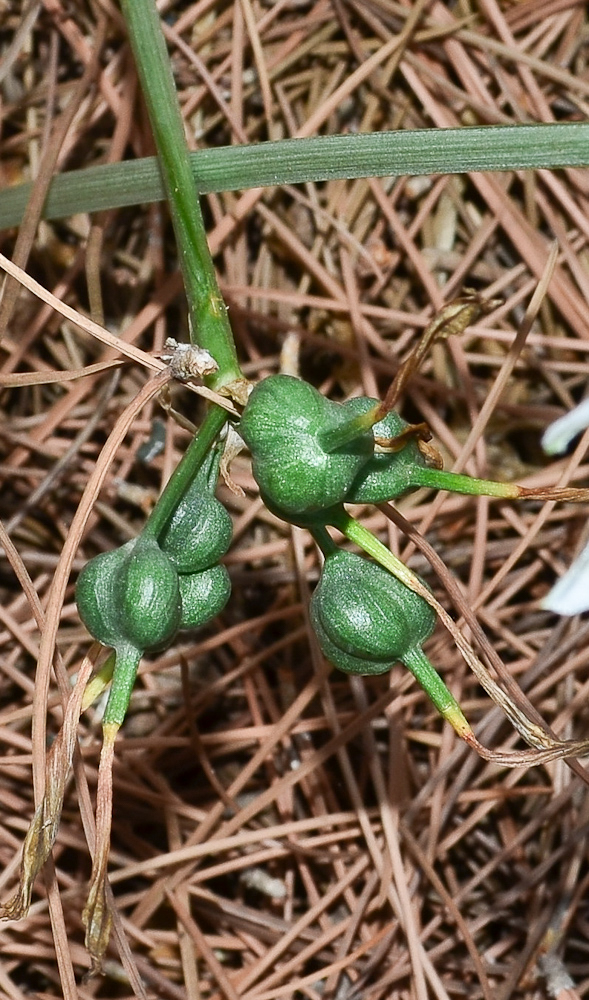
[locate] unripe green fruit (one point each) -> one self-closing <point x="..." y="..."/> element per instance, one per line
<point x="364" y="617"/>
<point x="198" y="534"/>
<point x="199" y="531"/>
<point x="344" y="661"/>
<point x="97" y="595"/>
<point x="282" y="425"/>
<point x="131" y="596"/>
<point x="149" y="592"/>
<point x="304" y="519"/>
<point x="203" y="595"/>
<point x="386" y="475"/>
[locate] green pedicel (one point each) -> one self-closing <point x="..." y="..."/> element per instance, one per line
<point x="388" y="475"/>
<point x="123" y="681"/>
<point x="282" y="425"/>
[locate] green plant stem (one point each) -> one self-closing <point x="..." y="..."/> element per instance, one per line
<point x="365" y="540"/>
<point x="324" y="540"/>
<point x="185" y="472"/>
<point x="439" y="479"/>
<point x="209" y="326"/>
<point x="124" y="674"/>
<point x="427" y="676"/>
<point x="321" y="158"/>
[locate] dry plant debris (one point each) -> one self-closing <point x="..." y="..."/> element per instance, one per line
<point x="279" y="830"/>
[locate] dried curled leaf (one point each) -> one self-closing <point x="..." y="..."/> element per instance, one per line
<point x="452" y="320"/>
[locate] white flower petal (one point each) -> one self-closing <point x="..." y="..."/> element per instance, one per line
<point x="558" y="435"/>
<point x="570" y="595"/>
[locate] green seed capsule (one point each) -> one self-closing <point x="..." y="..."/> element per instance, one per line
<point x="386" y="475"/>
<point x="199" y="532"/>
<point x="282" y="425"/>
<point x="130" y="597"/>
<point x="149" y="592"/>
<point x="344" y="661"/>
<point x="203" y="595"/>
<point x="364" y="617"/>
<point x="97" y="596"/>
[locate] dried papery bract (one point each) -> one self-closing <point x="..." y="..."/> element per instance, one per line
<point x="42" y="832"/>
<point x="97" y="918"/>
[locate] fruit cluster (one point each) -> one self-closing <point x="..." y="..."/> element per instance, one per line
<point x="310" y="455"/>
<point x="137" y="597"/>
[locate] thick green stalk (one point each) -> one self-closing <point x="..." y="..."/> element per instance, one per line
<point x="208" y="314"/>
<point x="428" y="677"/>
<point x="127" y="662"/>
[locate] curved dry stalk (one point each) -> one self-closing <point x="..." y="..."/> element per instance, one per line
<point x="97" y="915"/>
<point x="547" y="747"/>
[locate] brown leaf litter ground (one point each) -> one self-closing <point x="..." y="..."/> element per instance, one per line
<point x="279" y="829"/>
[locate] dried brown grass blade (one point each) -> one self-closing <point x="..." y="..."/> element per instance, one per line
<point x="46" y="378"/>
<point x="120" y="346"/>
<point x="97" y="915"/>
